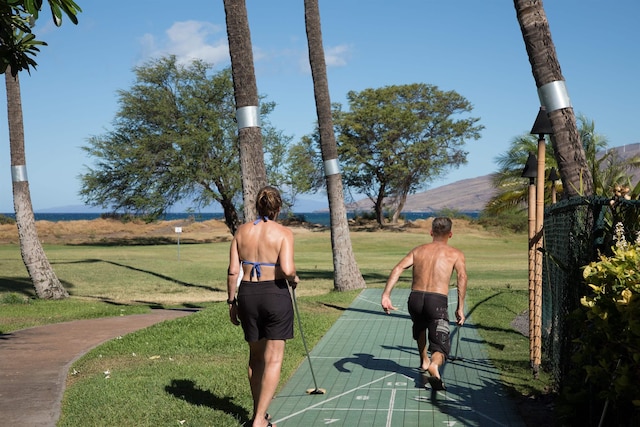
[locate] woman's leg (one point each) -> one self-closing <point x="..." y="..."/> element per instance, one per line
<point x="265" y="363"/>
<point x="256" y="369"/>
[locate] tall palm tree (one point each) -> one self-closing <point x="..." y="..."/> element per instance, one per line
<point x="572" y="163"/>
<point x="254" y="175"/>
<point x="346" y="273"/>
<point x="45" y="281"/>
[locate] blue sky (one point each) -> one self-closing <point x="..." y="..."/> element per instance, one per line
<point x="470" y="46"/>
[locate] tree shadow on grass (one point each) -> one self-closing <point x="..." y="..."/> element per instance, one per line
<point x="152" y="273"/>
<point x="18" y="285"/>
<point x="188" y="391"/>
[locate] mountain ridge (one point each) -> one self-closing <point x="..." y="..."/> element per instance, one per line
<point x="469" y="195"/>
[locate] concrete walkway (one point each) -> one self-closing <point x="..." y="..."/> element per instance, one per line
<point x="34" y="362"/>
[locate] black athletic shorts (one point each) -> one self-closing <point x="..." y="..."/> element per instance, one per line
<point x="429" y="312"/>
<point x="265" y="310"/>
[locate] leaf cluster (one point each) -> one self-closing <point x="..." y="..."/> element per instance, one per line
<point x="607" y="355"/>
<point x="18" y="45"/>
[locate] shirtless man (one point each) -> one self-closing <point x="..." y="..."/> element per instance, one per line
<point x="433" y="264"/>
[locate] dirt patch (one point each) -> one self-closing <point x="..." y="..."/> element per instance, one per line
<point x="114" y="232"/>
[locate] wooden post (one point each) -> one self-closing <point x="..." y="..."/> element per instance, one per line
<point x="537" y="323"/>
<point x="532" y="264"/>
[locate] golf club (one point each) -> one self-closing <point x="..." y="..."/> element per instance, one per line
<point x="315" y="390"/>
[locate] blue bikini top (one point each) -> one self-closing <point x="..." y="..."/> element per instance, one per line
<point x="255" y="270"/>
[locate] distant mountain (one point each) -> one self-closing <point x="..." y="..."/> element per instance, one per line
<point x="467" y="195"/>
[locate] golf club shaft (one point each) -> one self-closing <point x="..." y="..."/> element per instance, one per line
<point x="304" y="342"/>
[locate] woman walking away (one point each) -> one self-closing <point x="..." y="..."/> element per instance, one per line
<point x="262" y="251"/>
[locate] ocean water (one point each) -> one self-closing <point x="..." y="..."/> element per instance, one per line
<point x="321" y="218"/>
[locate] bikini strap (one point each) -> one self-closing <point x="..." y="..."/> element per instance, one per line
<point x="255" y="269"/>
<point x="261" y="219"/>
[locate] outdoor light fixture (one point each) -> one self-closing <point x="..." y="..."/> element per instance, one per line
<point x="530" y="168"/>
<point x="541" y="127"/>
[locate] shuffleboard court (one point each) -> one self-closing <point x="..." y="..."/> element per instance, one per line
<point x="367" y="362"/>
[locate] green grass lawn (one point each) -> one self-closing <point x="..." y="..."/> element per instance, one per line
<point x="194" y="368"/>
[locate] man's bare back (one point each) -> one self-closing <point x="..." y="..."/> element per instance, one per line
<point x="433" y="264"/>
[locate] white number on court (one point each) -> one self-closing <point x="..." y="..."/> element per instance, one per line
<point x="362" y="397"/>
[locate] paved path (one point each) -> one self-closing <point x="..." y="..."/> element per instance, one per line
<point x="34" y="362"/>
<point x="367" y="362"/>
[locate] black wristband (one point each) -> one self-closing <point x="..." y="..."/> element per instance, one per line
<point x="232" y="301"/>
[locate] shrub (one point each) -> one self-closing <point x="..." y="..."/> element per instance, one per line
<point x="6" y="220"/>
<point x="513" y="219"/>
<point x="606" y="360"/>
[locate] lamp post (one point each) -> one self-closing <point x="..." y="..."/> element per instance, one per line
<point x="541" y="127"/>
<point x="553" y="177"/>
<point x="531" y="171"/>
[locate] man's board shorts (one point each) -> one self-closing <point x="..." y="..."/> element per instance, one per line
<point x="429" y="311"/>
<point x="265" y="310"/>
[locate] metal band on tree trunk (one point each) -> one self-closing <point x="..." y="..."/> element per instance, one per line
<point x="554" y="96"/>
<point x="331" y="167"/>
<point x="247" y="117"/>
<point x="19" y="173"/>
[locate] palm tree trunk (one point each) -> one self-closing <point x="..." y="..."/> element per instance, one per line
<point x="347" y="276"/>
<point x="254" y="175"/>
<point x="45" y="281"/>
<point x="572" y="164"/>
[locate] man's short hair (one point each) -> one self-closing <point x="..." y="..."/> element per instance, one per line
<point x="441" y="226"/>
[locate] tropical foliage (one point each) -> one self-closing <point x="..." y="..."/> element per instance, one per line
<point x="607" y="357"/>
<point x="607" y="167"/>
<point x="18" y="45"/>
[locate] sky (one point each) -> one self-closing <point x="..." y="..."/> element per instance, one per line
<point x="469" y="46"/>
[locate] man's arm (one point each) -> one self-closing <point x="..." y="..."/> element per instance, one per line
<point x="404" y="263"/>
<point x="461" y="271"/>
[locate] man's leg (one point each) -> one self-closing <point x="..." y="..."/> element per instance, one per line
<point x="437" y="360"/>
<point x="422" y="350"/>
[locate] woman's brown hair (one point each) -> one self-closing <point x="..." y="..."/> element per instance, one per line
<point x="268" y="202"/>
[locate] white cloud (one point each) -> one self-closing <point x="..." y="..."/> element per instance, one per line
<point x="189" y="40"/>
<point x="336" y="56"/>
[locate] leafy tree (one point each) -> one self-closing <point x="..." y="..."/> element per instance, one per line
<point x="347" y="274"/>
<point x="18" y="45"/>
<point x="293" y="168"/>
<point x="396" y="139"/>
<point x="174" y="139"/>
